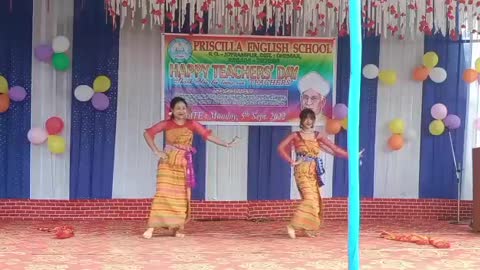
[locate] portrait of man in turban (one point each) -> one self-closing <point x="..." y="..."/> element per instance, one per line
<point x="314" y="90"/>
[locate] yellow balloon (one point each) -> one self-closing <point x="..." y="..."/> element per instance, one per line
<point x="56" y="144"/>
<point x="397" y="126"/>
<point x="430" y="59"/>
<point x="3" y="85"/>
<point x="101" y="84"/>
<point x="477" y="65"/>
<point x="388" y="77"/>
<point x="345" y="123"/>
<point x="436" y="127"/>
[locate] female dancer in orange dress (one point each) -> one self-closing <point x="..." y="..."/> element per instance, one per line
<point x="171" y="205"/>
<point x="308" y="170"/>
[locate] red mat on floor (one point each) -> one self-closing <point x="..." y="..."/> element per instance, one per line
<point x="230" y="245"/>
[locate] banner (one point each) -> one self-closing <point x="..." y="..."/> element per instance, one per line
<point x="249" y="79"/>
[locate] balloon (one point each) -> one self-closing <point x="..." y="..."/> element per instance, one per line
<point x="56" y="144"/>
<point x="477" y="123"/>
<point x="420" y="73"/>
<point x="438" y="75"/>
<point x="61" y="61"/>
<point x="452" y="121"/>
<point x="439" y="111"/>
<point x="100" y="101"/>
<point x="410" y="135"/>
<point x="395" y="142"/>
<point x="333" y="126"/>
<point x="430" y="59"/>
<point x="3" y="85"/>
<point x="4" y="103"/>
<point x="470" y="75"/>
<point x="54" y="125"/>
<point x="388" y="77"/>
<point x="37" y="135"/>
<point x="436" y="127"/>
<point x="397" y="126"/>
<point x="44" y="53"/>
<point x="17" y="93"/>
<point x="344" y="123"/>
<point x="370" y="71"/>
<point x="60" y="44"/>
<point x="477" y="65"/>
<point x="102" y="84"/>
<point x="83" y="93"/>
<point x="340" y="111"/>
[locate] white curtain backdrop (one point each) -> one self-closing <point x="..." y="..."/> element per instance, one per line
<point x="51" y="96"/>
<point x="397" y="173"/>
<point x="139" y="106"/>
<point x="227" y="169"/>
<point x="472" y="135"/>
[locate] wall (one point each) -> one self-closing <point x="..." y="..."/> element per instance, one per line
<point x="137" y="209"/>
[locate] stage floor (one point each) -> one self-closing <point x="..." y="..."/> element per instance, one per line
<point x="230" y="245"/>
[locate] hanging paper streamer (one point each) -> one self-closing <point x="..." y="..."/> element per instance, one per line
<point x="353" y="135"/>
<point x="404" y="20"/>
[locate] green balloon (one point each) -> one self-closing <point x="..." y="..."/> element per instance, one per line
<point x="61" y="61"/>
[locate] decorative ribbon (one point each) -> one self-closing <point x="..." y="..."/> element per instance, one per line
<point x="318" y="162"/>
<point x="189" y="151"/>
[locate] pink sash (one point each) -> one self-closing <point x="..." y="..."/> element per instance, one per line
<point x="189" y="151"/>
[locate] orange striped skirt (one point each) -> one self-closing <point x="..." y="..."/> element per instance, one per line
<point x="309" y="214"/>
<point x="171" y="205"/>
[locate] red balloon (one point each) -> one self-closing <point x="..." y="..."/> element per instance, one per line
<point x="54" y="125"/>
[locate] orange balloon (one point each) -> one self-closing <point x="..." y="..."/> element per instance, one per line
<point x="395" y="142"/>
<point x="333" y="126"/>
<point x="4" y="103"/>
<point x="470" y="75"/>
<point x="420" y="73"/>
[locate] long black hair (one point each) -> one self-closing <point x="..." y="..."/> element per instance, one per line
<point x="304" y="114"/>
<point x="174" y="102"/>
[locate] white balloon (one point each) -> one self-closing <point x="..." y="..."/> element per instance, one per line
<point x="438" y="75"/>
<point x="410" y="135"/>
<point x="83" y="93"/>
<point x="60" y="44"/>
<point x="370" y="71"/>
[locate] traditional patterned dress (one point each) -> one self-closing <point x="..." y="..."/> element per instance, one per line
<point x="175" y="176"/>
<point x="308" y="176"/>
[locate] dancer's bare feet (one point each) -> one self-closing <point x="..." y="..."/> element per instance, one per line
<point x="311" y="234"/>
<point x="291" y="232"/>
<point x="148" y="233"/>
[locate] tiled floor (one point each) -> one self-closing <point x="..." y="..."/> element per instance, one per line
<point x="230" y="245"/>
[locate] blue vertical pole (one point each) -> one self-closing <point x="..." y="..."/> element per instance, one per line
<point x="353" y="135"/>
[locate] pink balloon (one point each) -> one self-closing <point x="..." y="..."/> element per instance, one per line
<point x="477" y="123"/>
<point x="37" y="136"/>
<point x="439" y="111"/>
<point x="340" y="111"/>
